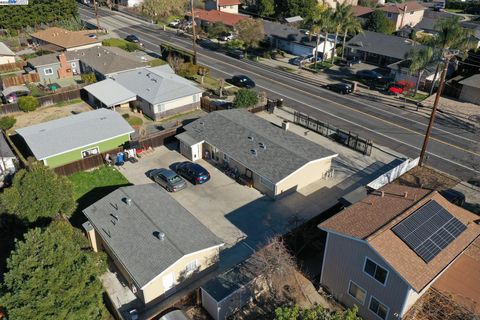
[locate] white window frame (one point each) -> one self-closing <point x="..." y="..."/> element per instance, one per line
<point x="378" y="265"/>
<point x="365" y="291"/>
<point x="89" y="149"/>
<point x="48" y="73"/>
<point x="380" y="302"/>
<point x="190" y="263"/>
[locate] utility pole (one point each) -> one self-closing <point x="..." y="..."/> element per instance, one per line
<point x="194" y="43"/>
<point x="95" y="8"/>
<point x="434" y="110"/>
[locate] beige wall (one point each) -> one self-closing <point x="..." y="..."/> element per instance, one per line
<point x="334" y="3"/>
<point x="204" y="259"/>
<point x="229" y="9"/>
<point x="7" y="59"/>
<point x="411" y="18"/>
<point x="470" y="94"/>
<point x="304" y="176"/>
<point x="174" y="104"/>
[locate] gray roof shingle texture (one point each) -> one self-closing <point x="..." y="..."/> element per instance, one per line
<point x="110" y="93"/>
<point x="382" y="44"/>
<point x="132" y="237"/>
<point x="473" y="81"/>
<point x="5" y="150"/>
<point x="61" y="135"/>
<point x="285" y="151"/>
<point x="156" y="85"/>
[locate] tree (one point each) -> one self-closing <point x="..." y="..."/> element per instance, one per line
<point x="291" y="8"/>
<point x="36" y="13"/>
<point x="38" y="193"/>
<point x="250" y="31"/>
<point x="28" y="103"/>
<point x="377" y="22"/>
<point x="89" y="78"/>
<point x="7" y="122"/>
<point x="319" y="22"/>
<point x="419" y="60"/>
<point x="245" y="98"/>
<point x="266" y="8"/>
<point x="217" y="29"/>
<point x="51" y="275"/>
<point x="342" y="14"/>
<point x="352" y="25"/>
<point x="156" y="9"/>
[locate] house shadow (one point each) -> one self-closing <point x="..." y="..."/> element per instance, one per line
<point x="11" y="228"/>
<point x="78" y="218"/>
<point x="453" y="121"/>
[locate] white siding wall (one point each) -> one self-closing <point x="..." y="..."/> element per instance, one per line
<point x="7" y="59"/>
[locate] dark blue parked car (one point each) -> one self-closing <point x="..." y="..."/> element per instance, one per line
<point x="193" y="172"/>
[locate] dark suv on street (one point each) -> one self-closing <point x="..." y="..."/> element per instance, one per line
<point x="342" y="88"/>
<point x="193" y="172"/>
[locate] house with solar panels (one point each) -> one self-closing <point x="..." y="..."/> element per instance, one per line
<point x="385" y="251"/>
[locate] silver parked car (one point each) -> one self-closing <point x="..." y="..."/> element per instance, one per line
<point x="168" y="179"/>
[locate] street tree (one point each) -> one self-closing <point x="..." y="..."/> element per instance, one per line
<point x="419" y="60"/>
<point x="38" y="193"/>
<point x="251" y="32"/>
<point x="217" y="29"/>
<point x="342" y="14"/>
<point x="52" y="275"/>
<point x="156" y="9"/>
<point x="266" y="8"/>
<point x="351" y="25"/>
<point x="319" y="22"/>
<point x="377" y="22"/>
<point x="291" y="8"/>
<point x="245" y="98"/>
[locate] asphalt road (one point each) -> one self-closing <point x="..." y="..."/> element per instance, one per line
<point x="454" y="147"/>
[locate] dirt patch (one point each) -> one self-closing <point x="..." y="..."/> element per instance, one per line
<point x="47" y="114"/>
<point x="428" y="178"/>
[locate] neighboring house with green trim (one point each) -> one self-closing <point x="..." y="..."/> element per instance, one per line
<point x="73" y="138"/>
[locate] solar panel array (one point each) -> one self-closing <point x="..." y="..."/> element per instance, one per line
<point x="429" y="230"/>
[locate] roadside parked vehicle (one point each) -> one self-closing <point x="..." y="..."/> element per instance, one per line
<point x="174" y="23"/>
<point x="297" y="60"/>
<point x="226" y="36"/>
<point x="350" y="61"/>
<point x="342" y="88"/>
<point x="168" y="179"/>
<point x="243" y="82"/>
<point x="400" y="87"/>
<point x="475" y="181"/>
<point x="132" y="38"/>
<point x="237" y="54"/>
<point x="193" y="172"/>
<point x="369" y="75"/>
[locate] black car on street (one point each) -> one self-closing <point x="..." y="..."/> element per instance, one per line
<point x="342" y="88"/>
<point x="243" y="82"/>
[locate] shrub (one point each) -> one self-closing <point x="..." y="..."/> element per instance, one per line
<point x="89" y="78"/>
<point x="134" y="121"/>
<point x="245" y="98"/>
<point x="28" y="103"/>
<point x="7" y="122"/>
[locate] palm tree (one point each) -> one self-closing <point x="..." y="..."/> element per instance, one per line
<point x="318" y="23"/>
<point x="450" y="36"/>
<point x="353" y="25"/>
<point x="342" y="13"/>
<point x="328" y="26"/>
<point x="419" y="60"/>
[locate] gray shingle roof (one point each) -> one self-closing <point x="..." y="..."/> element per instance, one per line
<point x="156" y="85"/>
<point x="382" y="44"/>
<point x="47" y="59"/>
<point x="110" y="93"/>
<point x="61" y="135"/>
<point x="5" y="50"/>
<point x="285" y="151"/>
<point x="132" y="237"/>
<point x="473" y="81"/>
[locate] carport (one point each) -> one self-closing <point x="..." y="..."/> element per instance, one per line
<point x="109" y="94"/>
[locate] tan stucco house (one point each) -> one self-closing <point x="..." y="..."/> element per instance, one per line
<point x="404" y="14"/>
<point x="274" y="160"/>
<point x="155" y="243"/>
<point x="385" y="251"/>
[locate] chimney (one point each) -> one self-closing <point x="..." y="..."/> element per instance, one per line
<point x="285" y="125"/>
<point x="405" y="194"/>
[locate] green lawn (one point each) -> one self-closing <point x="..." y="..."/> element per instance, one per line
<point x="120" y="43"/>
<point x="105" y="178"/>
<point x="454" y="10"/>
<point x="320" y="66"/>
<point x="156" y="62"/>
<point x="134" y="121"/>
<point x="418" y="96"/>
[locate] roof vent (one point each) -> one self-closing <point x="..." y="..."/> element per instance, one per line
<point x="262" y="145"/>
<point x="103" y="118"/>
<point x="128" y="201"/>
<point x="253" y="151"/>
<point x="250" y="138"/>
<point x="159" y="235"/>
<point x="405" y="194"/>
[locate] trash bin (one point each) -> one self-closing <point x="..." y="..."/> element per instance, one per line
<point x="279" y="103"/>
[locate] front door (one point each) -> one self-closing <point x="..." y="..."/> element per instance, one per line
<point x="168" y="283"/>
<point x="196" y="151"/>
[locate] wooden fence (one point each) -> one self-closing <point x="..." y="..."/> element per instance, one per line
<point x="45" y="100"/>
<point x="85" y="163"/>
<point x="158" y="139"/>
<point x="17" y="80"/>
<point x="8" y="67"/>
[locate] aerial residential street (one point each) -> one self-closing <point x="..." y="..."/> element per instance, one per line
<point x="454" y="147"/>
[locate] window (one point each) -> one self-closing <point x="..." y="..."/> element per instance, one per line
<point x="375" y="271"/>
<point x="356" y="292"/>
<point x="378" y="308"/>
<point x="389" y="15"/>
<point x="89" y="152"/>
<point x="48" y="71"/>
<point x="191" y="267"/>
